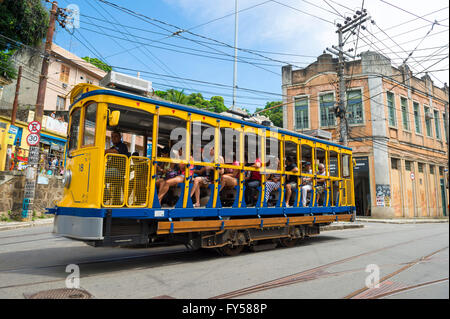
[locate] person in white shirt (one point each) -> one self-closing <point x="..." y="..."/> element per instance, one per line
<point x="306" y="183"/>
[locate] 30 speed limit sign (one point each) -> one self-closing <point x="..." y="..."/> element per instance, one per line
<point x="33" y="139"/>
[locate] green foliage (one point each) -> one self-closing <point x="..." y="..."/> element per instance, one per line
<point x="7" y="69"/>
<point x="98" y="63"/>
<point x="22" y="21"/>
<point x="275" y="114"/>
<point x="216" y="104"/>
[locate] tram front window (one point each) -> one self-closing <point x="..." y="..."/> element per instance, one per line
<point x="74" y="129"/>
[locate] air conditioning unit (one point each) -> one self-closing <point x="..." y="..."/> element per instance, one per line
<point x="126" y="82"/>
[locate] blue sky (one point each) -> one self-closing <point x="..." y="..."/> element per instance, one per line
<point x="296" y="30"/>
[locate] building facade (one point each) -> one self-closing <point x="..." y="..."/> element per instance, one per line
<point x="65" y="71"/>
<point x="397" y="128"/>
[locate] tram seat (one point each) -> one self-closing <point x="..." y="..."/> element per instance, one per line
<point x="273" y="198"/>
<point x="227" y="196"/>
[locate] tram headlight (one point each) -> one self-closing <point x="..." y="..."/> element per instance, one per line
<point x="67" y="178"/>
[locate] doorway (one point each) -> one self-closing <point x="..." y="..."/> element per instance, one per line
<point x="362" y="186"/>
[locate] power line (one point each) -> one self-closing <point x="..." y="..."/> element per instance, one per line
<point x="411" y="13"/>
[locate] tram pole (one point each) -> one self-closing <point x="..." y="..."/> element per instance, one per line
<point x="235" y="53"/>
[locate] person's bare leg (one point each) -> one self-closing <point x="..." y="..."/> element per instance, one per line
<point x="165" y="187"/>
<point x="288" y="193"/>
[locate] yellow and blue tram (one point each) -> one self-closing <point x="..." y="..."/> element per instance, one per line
<point x="112" y="199"/>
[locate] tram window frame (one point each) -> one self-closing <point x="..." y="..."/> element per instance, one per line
<point x="345" y="164"/>
<point x="173" y="157"/>
<point x="203" y="142"/>
<point x="269" y="167"/>
<point x="224" y="133"/>
<point x="258" y="153"/>
<point x="330" y="156"/>
<point x="74" y="138"/>
<point x="305" y="148"/>
<point x="93" y="136"/>
<point x="295" y="156"/>
<point x="317" y="162"/>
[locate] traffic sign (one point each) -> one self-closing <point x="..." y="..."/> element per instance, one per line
<point x="412" y="176"/>
<point x="33" y="139"/>
<point x="34" y="127"/>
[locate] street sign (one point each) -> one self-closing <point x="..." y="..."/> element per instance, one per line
<point x="412" y="176"/>
<point x="33" y="155"/>
<point x="34" y="127"/>
<point x="33" y="139"/>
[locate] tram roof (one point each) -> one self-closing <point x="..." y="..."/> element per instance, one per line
<point x="106" y="91"/>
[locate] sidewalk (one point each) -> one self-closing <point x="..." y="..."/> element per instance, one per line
<point x="17" y="225"/>
<point x="402" y="220"/>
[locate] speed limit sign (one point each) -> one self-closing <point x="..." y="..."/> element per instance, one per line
<point x="33" y="139"/>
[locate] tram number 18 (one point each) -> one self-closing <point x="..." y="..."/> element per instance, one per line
<point x="246" y="308"/>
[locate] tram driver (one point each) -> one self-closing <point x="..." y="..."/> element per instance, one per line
<point x="118" y="147"/>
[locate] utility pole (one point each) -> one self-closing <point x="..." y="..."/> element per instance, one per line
<point x="341" y="109"/>
<point x="235" y="52"/>
<point x="33" y="157"/>
<point x="16" y="97"/>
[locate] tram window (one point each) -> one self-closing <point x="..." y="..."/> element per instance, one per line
<point x="134" y="125"/>
<point x="230" y="145"/>
<point x="272" y="153"/>
<point x="345" y="165"/>
<point x="90" y="115"/>
<point x="170" y="129"/>
<point x="290" y="149"/>
<point x="333" y="159"/>
<point x="252" y="147"/>
<point x="320" y="159"/>
<point x="74" y="129"/>
<point x="202" y="137"/>
<point x="306" y="157"/>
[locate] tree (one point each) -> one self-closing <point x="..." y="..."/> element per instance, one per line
<point x="98" y="63"/>
<point x="216" y="104"/>
<point x="22" y="21"/>
<point x="275" y="114"/>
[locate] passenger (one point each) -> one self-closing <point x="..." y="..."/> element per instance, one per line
<point x="321" y="182"/>
<point x="230" y="178"/>
<point x="205" y="176"/>
<point x="163" y="167"/>
<point x="306" y="183"/>
<point x="118" y="147"/>
<point x="273" y="181"/>
<point x="252" y="182"/>
<point x="173" y="177"/>
<point x="291" y="181"/>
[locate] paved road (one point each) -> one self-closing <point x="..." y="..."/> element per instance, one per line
<point x="410" y="259"/>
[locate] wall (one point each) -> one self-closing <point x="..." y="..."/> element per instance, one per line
<point x="12" y="189"/>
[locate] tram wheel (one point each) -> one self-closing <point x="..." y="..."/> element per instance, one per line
<point x="230" y="250"/>
<point x="288" y="242"/>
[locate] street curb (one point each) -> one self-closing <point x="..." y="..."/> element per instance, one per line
<point x="402" y="221"/>
<point x="341" y="226"/>
<point x="18" y="225"/>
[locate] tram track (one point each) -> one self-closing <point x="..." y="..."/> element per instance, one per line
<point x="321" y="272"/>
<point x="366" y="291"/>
<point x="89" y="262"/>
